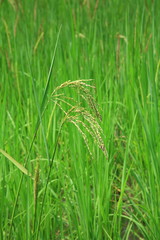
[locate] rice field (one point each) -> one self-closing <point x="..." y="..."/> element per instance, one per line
<point x="79" y="120"/>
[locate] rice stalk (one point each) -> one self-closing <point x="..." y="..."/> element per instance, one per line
<point x="35" y="189"/>
<point x="8" y="35"/>
<point x="16" y="25"/>
<point x="40" y="37"/>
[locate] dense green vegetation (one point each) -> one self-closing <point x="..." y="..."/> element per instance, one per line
<point x="90" y="149"/>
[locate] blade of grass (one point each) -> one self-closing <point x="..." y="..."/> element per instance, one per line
<point x="17" y="164"/>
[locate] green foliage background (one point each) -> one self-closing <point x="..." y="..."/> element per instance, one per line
<point x="116" y="43"/>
